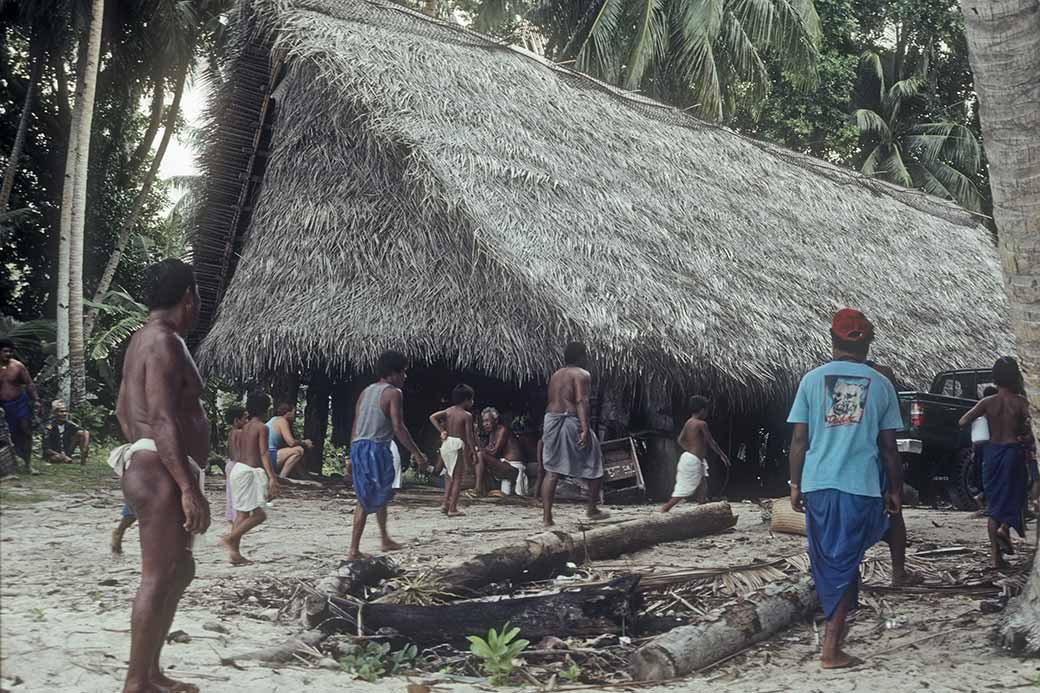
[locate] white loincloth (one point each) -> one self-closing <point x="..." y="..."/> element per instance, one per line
<point x="520" y="487"/>
<point x="396" y="454"/>
<point x="248" y="488"/>
<point x="451" y="450"/>
<point x="689" y="474"/>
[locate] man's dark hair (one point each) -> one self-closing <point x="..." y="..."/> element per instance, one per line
<point x="575" y="354"/>
<point x="990" y="391"/>
<point x="1006" y="374"/>
<point x="283" y="408"/>
<point x="6" y="343"/>
<point x="698" y="404"/>
<point x="859" y="349"/>
<point x="234" y="413"/>
<point x="257" y="404"/>
<point x="462" y="393"/>
<point x="391" y="362"/>
<point x="166" y="282"/>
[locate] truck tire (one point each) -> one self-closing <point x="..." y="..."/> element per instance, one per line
<point x="963" y="486"/>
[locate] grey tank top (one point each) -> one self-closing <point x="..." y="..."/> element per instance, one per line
<point x="372" y="423"/>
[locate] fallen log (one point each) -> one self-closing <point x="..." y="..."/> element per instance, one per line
<point x="686" y="649"/>
<point x="544" y="555"/>
<point x="285" y="651"/>
<point x="311" y="606"/>
<point x="581" y="612"/>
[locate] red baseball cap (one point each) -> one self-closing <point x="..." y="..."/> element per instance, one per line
<point x="851" y="326"/>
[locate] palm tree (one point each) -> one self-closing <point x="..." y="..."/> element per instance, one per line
<point x="942" y="158"/>
<point x="1004" y="53"/>
<point x="714" y="50"/>
<point x="70" y="255"/>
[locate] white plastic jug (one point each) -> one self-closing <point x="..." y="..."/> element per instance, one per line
<point x="980" y="430"/>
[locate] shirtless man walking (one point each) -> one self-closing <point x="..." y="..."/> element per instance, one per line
<point x="19" y="399"/>
<point x="691" y="473"/>
<point x="569" y="447"/>
<point x="160" y="414"/>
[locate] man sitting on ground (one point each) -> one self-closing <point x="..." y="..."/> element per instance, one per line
<point x="285" y="451"/>
<point x="502" y="458"/>
<point x="64" y="437"/>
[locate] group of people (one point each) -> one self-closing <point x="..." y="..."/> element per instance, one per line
<point x="847" y="476"/>
<point x="845" y="470"/>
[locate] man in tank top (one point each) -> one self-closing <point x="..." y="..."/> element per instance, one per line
<point x="378" y="419"/>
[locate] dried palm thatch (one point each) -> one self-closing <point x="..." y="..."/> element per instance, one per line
<point x="431" y="190"/>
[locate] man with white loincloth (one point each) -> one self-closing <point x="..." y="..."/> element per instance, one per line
<point x="160" y="413"/>
<point x="455" y="424"/>
<point x="691" y="474"/>
<point x="569" y="446"/>
<point x="502" y="458"/>
<point x="252" y="478"/>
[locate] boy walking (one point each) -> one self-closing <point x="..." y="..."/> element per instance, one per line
<point x="455" y="425"/>
<point x="691" y="474"/>
<point x="236" y="417"/>
<point x="252" y="478"/>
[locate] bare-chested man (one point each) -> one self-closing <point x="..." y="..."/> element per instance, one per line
<point x="162" y="418"/>
<point x="378" y="419"/>
<point x="252" y="478"/>
<point x="458" y="446"/>
<point x="569" y="447"/>
<point x="502" y="458"/>
<point x="19" y="399"/>
<point x="691" y="474"/>
<point x="1007" y="467"/>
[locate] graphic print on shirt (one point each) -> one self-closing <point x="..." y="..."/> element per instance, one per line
<point x="846" y="397"/>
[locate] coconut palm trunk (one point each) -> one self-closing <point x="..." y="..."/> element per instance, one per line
<point x="36" y="58"/>
<point x="128" y="224"/>
<point x="82" y="118"/>
<point x="1004" y="52"/>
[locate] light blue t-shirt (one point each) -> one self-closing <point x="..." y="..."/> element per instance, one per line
<point x="846" y="405"/>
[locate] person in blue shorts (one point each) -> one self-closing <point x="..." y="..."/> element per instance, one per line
<point x="126" y="520"/>
<point x="845" y="418"/>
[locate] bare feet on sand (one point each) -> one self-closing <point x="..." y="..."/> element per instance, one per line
<point x="455" y="513"/>
<point x="356" y="556"/>
<point x="234" y="556"/>
<point x="391" y="545"/>
<point x="840" y="660"/>
<point x="906" y="579"/>
<point x="168" y="684"/>
<point x="548" y="523"/>
<point x="597" y="515"/>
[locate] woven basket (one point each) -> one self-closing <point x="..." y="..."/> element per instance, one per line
<point x="785" y="520"/>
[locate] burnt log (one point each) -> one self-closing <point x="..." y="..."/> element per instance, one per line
<point x="686" y="649"/>
<point x="578" y="612"/>
<point x="546" y="554"/>
<point x="349" y="578"/>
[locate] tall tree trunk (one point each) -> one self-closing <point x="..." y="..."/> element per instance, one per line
<point x="68" y="193"/>
<point x="85" y="107"/>
<point x="1004" y="52"/>
<point x="36" y="58"/>
<point x="127" y="227"/>
<point x="154" y="121"/>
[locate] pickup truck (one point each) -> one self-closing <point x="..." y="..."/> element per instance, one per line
<point x="937" y="453"/>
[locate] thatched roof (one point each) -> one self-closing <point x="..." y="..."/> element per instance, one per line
<point x="432" y="191"/>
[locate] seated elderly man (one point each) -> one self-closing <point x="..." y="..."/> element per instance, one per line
<point x="502" y="458"/>
<point x="63" y="437"/>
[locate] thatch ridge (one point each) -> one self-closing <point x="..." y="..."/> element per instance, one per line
<point x="517" y="210"/>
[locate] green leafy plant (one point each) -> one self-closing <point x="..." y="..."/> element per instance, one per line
<point x="373" y="660"/>
<point x="498" y="651"/>
<point x="571" y="674"/>
<point x="126" y="316"/>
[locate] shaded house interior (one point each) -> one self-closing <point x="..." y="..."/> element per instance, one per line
<point x="378" y="179"/>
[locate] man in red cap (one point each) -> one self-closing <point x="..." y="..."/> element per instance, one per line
<point x="845" y="418"/>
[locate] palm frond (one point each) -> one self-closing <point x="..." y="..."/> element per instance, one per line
<point x="901" y="91"/>
<point x="943" y="180"/>
<point x="870" y="123"/>
<point x="102" y="345"/>
<point x="698" y="26"/>
<point x="947" y="141"/>
<point x="597" y="55"/>
<point x="650" y="41"/>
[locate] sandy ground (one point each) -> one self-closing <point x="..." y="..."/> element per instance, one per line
<point x="65" y="603"/>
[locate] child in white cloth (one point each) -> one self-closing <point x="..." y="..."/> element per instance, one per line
<point x="691" y="474"/>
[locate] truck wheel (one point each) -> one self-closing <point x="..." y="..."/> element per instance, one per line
<point x="963" y="485"/>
